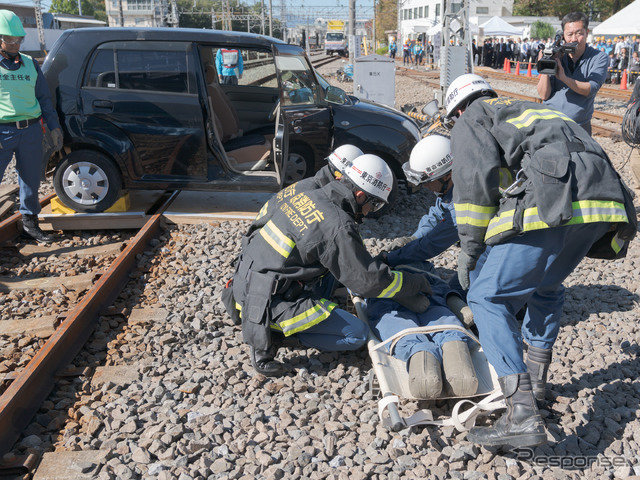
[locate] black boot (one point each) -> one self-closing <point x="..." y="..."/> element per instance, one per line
<point x="537" y="362"/>
<point x="30" y="228"/>
<point x="521" y="425"/>
<point x="263" y="362"/>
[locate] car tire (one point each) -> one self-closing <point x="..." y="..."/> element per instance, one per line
<point x="300" y="164"/>
<point x="393" y="197"/>
<point x="87" y="181"/>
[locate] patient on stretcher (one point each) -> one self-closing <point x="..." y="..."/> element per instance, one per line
<point x="439" y="364"/>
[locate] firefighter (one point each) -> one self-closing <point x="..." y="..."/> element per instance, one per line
<point x="567" y="201"/>
<point x="297" y="240"/>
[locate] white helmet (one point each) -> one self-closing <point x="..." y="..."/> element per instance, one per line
<point x="343" y="156"/>
<point x="372" y="175"/>
<point x="430" y="160"/>
<point x="464" y="88"/>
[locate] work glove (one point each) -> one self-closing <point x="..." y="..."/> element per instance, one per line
<point x="466" y="263"/>
<point x="382" y="257"/>
<point x="414" y="283"/>
<point x="400" y="242"/>
<point x="56" y="139"/>
<point x="417" y="303"/>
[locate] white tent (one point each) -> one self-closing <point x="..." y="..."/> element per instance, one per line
<point x="498" y="27"/>
<point x="625" y="22"/>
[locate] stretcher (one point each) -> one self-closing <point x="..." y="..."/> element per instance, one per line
<point x="389" y="379"/>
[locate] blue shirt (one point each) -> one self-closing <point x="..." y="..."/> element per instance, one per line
<point x="41" y="90"/>
<point x="437" y="232"/>
<point x="591" y="67"/>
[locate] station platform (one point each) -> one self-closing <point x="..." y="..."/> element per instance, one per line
<point x="186" y="208"/>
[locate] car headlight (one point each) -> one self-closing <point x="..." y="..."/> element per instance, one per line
<point x="413" y="128"/>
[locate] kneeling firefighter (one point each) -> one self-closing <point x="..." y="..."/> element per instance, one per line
<point x="298" y="241"/>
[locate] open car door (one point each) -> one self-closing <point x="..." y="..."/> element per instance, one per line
<point x="302" y="110"/>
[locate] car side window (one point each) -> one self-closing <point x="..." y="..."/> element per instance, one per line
<point x="148" y="66"/>
<point x="297" y="81"/>
<point x="241" y="66"/>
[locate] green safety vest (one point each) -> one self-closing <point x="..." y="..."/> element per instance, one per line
<point x="18" y="92"/>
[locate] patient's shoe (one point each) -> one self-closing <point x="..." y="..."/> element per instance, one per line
<point x="425" y="376"/>
<point x="460" y="378"/>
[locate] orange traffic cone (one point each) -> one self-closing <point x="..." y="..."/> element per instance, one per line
<point x="529" y="70"/>
<point x="517" y="68"/>
<point x="508" y="65"/>
<point x="504" y="66"/>
<point x="623" y="82"/>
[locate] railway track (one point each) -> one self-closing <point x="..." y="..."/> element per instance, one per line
<point x="433" y="80"/>
<point x="27" y="377"/>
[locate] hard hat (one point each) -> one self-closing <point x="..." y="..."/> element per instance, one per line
<point x="430" y="160"/>
<point x="631" y="125"/>
<point x="465" y="88"/>
<point x="10" y="24"/>
<point x="372" y="175"/>
<point x="343" y="156"/>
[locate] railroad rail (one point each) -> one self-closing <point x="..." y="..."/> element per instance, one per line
<point x="432" y="79"/>
<point x="30" y="386"/>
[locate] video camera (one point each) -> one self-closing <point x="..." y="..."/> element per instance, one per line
<point x="547" y="63"/>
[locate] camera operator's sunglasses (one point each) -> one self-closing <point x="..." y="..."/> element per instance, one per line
<point x="12" y="40"/>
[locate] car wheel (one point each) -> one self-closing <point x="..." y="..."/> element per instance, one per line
<point x="299" y="165"/>
<point x="87" y="182"/>
<point x="393" y="196"/>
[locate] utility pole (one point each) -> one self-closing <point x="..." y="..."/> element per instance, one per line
<point x="352" y="30"/>
<point x="270" y="18"/>
<point x="39" y="24"/>
<point x="262" y="17"/>
<point x="79" y="7"/>
<point x="121" y="13"/>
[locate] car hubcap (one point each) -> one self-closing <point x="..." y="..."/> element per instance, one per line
<point x="85" y="183"/>
<point x="296" y="168"/>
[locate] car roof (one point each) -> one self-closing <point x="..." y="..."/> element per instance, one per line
<point x="223" y="37"/>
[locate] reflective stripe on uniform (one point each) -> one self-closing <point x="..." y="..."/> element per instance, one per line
<point x="239" y="308"/>
<point x="584" y="211"/>
<point x="263" y="211"/>
<point x="308" y="318"/>
<point x="617" y="244"/>
<point x="278" y="240"/>
<point x="394" y="287"/>
<point x="530" y="115"/>
<point x="474" y="215"/>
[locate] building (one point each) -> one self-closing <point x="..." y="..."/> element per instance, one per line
<point x="53" y="26"/>
<point x="418" y="16"/>
<point x="138" y="13"/>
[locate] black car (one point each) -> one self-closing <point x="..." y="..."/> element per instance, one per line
<point x="148" y="109"/>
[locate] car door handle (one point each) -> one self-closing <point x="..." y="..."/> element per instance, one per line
<point x="297" y="127"/>
<point x="103" y="104"/>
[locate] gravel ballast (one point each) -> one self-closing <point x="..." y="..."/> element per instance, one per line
<point x="193" y="408"/>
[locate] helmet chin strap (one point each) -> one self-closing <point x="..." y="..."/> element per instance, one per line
<point x="443" y="188"/>
<point x="9" y="55"/>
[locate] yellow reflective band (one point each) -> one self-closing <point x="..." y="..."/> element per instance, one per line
<point x="500" y="224"/>
<point x="531" y="115"/>
<point x="506" y="178"/>
<point x="278" y="240"/>
<point x="616" y="244"/>
<point x="263" y="211"/>
<point x="394" y="287"/>
<point x="474" y="215"/>
<point x="584" y="211"/>
<point x="239" y="308"/>
<point x="308" y="318"/>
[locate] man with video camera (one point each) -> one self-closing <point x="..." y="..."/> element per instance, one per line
<point x="580" y="71"/>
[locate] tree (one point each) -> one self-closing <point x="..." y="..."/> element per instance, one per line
<point x="596" y="9"/>
<point x="542" y="30"/>
<point x="92" y="8"/>
<point x="386" y="18"/>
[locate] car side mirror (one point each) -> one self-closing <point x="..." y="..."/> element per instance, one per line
<point x="431" y="109"/>
<point x="335" y="95"/>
